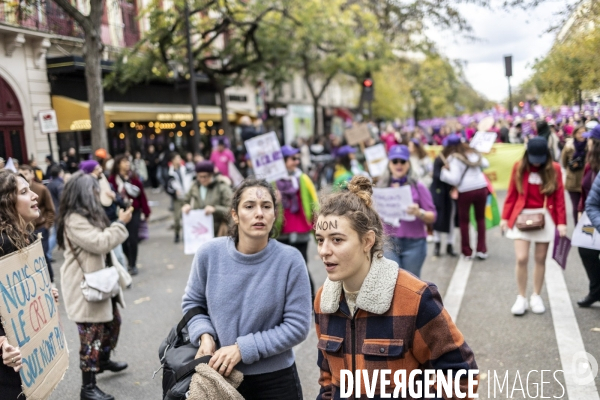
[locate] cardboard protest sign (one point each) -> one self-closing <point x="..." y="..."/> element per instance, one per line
<point x="391" y="204"/>
<point x="30" y="319"/>
<point x="376" y="159"/>
<point x="198" y="229"/>
<point x="357" y="134"/>
<point x="266" y="156"/>
<point x="483" y="141"/>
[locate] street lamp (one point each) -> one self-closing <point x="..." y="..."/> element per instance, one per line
<point x="192" y="71"/>
<point x="508" y="73"/>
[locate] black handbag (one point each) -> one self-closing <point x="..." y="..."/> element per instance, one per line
<point x="577" y="164"/>
<point x="176" y="355"/>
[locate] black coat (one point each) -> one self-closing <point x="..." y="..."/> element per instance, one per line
<point x="10" y="381"/>
<point x="440" y="192"/>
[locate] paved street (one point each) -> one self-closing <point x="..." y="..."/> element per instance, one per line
<point x="501" y="341"/>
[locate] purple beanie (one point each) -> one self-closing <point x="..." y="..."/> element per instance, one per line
<point x="88" y="166"/>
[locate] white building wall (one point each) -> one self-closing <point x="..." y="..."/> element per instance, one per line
<point x="30" y="84"/>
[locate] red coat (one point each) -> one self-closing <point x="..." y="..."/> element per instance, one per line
<point x="515" y="201"/>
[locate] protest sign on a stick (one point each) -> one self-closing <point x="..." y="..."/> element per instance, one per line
<point x="30" y="319"/>
<point x="198" y="228"/>
<point x="357" y="134"/>
<point x="483" y="141"/>
<point x="391" y="204"/>
<point x="267" y="159"/>
<point x="377" y="160"/>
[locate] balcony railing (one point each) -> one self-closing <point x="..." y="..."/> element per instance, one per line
<point x="43" y="16"/>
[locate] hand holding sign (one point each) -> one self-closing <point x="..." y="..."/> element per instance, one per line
<point x="35" y="344"/>
<point x="11" y="356"/>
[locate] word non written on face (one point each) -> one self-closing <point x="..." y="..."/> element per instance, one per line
<point x="325" y="225"/>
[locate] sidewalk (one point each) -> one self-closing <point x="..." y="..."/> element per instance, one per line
<point x="159" y="204"/>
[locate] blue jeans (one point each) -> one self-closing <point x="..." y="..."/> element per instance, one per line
<point x="51" y="242"/>
<point x="410" y="254"/>
<point x="120" y="255"/>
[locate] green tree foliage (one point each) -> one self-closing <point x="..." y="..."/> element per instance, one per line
<point x="573" y="65"/>
<point x="224" y="44"/>
<point x="442" y="89"/>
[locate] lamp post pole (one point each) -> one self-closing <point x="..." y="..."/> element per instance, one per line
<point x="192" y="72"/>
<point x="508" y="73"/>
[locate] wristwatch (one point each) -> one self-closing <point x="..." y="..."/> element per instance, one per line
<point x="421" y="213"/>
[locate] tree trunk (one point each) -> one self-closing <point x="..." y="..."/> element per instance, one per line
<point x="224" y="115"/>
<point x="93" y="77"/>
<point x="92" y="52"/>
<point x="316" y="116"/>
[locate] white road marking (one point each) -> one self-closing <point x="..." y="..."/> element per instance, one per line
<point x="456" y="288"/>
<point x="566" y="328"/>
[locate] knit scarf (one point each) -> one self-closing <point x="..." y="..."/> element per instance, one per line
<point x="579" y="148"/>
<point x="400" y="181"/>
<point x="289" y="193"/>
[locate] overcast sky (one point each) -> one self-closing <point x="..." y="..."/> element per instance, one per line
<point x="516" y="32"/>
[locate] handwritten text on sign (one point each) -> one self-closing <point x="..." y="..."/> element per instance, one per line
<point x="30" y="319"/>
<point x="266" y="156"/>
<point x="391" y="204"/>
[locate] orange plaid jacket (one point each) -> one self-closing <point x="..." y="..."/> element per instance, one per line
<point x="399" y="324"/>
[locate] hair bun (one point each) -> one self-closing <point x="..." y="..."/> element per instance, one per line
<point x="363" y="188"/>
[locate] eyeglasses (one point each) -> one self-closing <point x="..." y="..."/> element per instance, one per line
<point x="397" y="160"/>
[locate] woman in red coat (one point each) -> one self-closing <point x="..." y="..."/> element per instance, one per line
<point x="536" y="186"/>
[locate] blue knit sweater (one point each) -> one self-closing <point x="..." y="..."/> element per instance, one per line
<point x="261" y="301"/>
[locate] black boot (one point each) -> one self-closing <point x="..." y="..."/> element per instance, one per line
<point x="436" y="249"/>
<point x="89" y="390"/>
<point x="450" y="251"/>
<point x="133" y="270"/>
<point x="107" y="365"/>
<point x="176" y="237"/>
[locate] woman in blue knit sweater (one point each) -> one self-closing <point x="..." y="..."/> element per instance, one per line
<point x="257" y="294"/>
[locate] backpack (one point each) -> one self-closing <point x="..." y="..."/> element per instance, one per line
<point x="176" y="355"/>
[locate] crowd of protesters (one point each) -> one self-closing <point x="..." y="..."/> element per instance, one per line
<point x="101" y="208"/>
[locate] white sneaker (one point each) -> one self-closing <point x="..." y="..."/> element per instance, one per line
<point x="537" y="304"/>
<point x="520" y="306"/>
<point x="482" y="256"/>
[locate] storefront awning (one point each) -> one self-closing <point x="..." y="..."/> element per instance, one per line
<point x="74" y="115"/>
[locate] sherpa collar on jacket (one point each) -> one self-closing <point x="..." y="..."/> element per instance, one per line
<point x="375" y="294"/>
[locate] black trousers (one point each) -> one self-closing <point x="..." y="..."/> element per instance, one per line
<point x="45" y="237"/>
<point x="303" y="248"/>
<point x="130" y="246"/>
<point x="591" y="262"/>
<point x="279" y="385"/>
<point x="152" y="176"/>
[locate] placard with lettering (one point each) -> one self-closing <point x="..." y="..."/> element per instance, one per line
<point x="267" y="159"/>
<point x="377" y="160"/>
<point x="483" y="141"/>
<point x="30" y="319"/>
<point x="391" y="204"/>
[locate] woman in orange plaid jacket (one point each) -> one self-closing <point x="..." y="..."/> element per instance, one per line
<point x="372" y="316"/>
